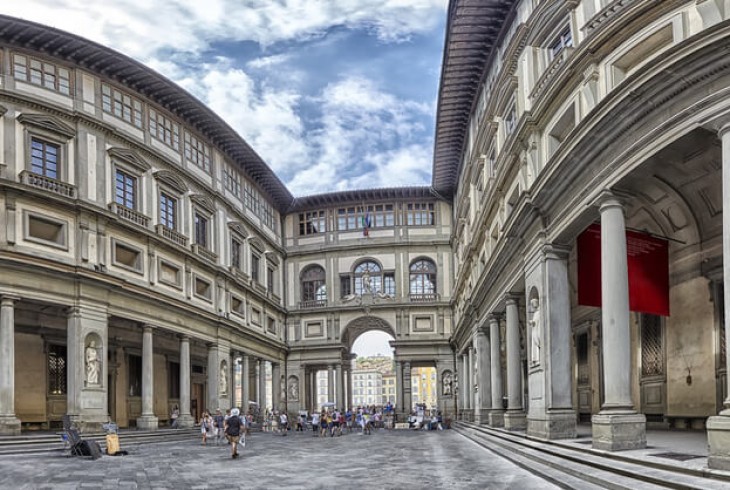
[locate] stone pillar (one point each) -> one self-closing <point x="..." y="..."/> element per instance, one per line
<point x="9" y="423"/>
<point x="348" y="375"/>
<point x="515" y="418"/>
<point x="148" y="420"/>
<point x="617" y="426"/>
<point x="185" y="419"/>
<point x="313" y="390"/>
<point x="276" y="400"/>
<point x="407" y="403"/>
<point x="213" y="391"/>
<point x="245" y="381"/>
<point x="459" y="386"/>
<point x="496" y="415"/>
<point x="465" y="386"/>
<point x="483" y="378"/>
<point x="340" y="387"/>
<point x="262" y="384"/>
<point x="399" y="404"/>
<point x="551" y="414"/>
<point x="257" y="385"/>
<point x="473" y="394"/>
<point x="331" y="384"/>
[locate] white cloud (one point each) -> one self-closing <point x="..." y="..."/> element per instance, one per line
<point x="143" y="28"/>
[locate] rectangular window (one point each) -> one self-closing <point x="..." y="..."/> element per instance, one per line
<point x="126" y="256"/>
<point x="347" y="219"/>
<point x="237" y="305"/>
<point x="312" y="222"/>
<point x="121" y="105"/>
<point x="231" y="180"/>
<point x="345" y="286"/>
<point x="201" y="230"/>
<point x="270" y="279"/>
<point x="44" y="158"/>
<point x="126" y="190"/>
<point x="510" y="119"/>
<point x="564" y="40"/>
<point x="389" y="284"/>
<point x="197" y="152"/>
<point x="168" y="211"/>
<point x="272" y="325"/>
<point x="45" y="230"/>
<point x="236" y="254"/>
<point x="42" y="73"/>
<point x="163" y="129"/>
<point x="420" y="214"/>
<point x="56" y="369"/>
<point x="203" y="288"/>
<point x="255" y="266"/>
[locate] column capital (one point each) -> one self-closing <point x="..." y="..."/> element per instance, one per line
<point x="184" y="337"/>
<point x="494" y="318"/>
<point x="723" y="129"/>
<point x="611" y="198"/>
<point x="148" y="328"/>
<point x="512" y="299"/>
<point x="8" y="299"/>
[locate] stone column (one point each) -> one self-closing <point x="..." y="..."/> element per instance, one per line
<point x="496" y="415"/>
<point x="148" y="420"/>
<point x="465" y="386"/>
<point x="515" y="418"/>
<point x="340" y="387"/>
<point x="9" y="423"/>
<point x="459" y="388"/>
<point x="331" y="384"/>
<point x="399" y="405"/>
<point x="407" y="403"/>
<point x="185" y="419"/>
<point x="313" y="389"/>
<point x="473" y="394"/>
<point x="262" y="384"/>
<point x="348" y="375"/>
<point x="482" y="378"/>
<point x="276" y="400"/>
<point x="257" y="385"/>
<point x="213" y="367"/>
<point x="617" y="426"/>
<point x="245" y="381"/>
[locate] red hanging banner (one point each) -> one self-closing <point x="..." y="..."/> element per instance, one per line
<point x="648" y="264"/>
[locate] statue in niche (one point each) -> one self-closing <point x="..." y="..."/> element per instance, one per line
<point x="366" y="283"/>
<point x="293" y="388"/>
<point x="223" y="379"/>
<point x="93" y="363"/>
<point x="447" y="381"/>
<point x="535" y="332"/>
<point x="282" y="389"/>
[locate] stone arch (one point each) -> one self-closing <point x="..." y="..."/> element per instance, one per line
<point x="363" y="324"/>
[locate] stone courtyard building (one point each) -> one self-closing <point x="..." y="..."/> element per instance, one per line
<point x="147" y="253"/>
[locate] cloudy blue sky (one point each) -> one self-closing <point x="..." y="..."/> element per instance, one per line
<point x="333" y="94"/>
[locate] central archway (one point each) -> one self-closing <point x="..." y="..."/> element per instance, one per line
<point x="364" y="324"/>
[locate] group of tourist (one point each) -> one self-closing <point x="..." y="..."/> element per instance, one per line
<point x="225" y="429"/>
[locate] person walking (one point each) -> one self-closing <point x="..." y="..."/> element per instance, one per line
<point x="206" y="423"/>
<point x="218" y="427"/>
<point x="233" y="431"/>
<point x="173" y="417"/>
<point x="283" y="423"/>
<point x="315" y="423"/>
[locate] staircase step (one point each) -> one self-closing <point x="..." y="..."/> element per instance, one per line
<point x="595" y="467"/>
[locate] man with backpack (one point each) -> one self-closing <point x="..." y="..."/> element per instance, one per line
<point x="233" y="431"/>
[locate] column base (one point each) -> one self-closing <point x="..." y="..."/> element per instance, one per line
<point x="554" y="424"/>
<point x="718" y="440"/>
<point x="185" y="422"/>
<point x="148" y="422"/>
<point x="619" y="431"/>
<point x="515" y="420"/>
<point x="481" y="416"/>
<point x="9" y="425"/>
<point x="496" y="418"/>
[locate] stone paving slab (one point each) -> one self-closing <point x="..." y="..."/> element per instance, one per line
<point x="387" y="459"/>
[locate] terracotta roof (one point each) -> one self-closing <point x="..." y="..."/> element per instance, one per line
<point x="473" y="32"/>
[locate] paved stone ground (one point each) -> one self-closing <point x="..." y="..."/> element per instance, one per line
<point x="387" y="459"/>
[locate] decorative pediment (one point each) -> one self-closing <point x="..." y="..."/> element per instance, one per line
<point x="204" y="202"/>
<point x="48" y="123"/>
<point x="170" y="179"/>
<point x="129" y="157"/>
<point x="272" y="257"/>
<point x="237" y="226"/>
<point x="257" y="244"/>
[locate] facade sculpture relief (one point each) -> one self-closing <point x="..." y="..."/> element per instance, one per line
<point x="93" y="363"/>
<point x="535" y="332"/>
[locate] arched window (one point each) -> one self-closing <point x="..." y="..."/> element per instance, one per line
<point x="314" y="288"/>
<point x="423" y="280"/>
<point x="368" y="278"/>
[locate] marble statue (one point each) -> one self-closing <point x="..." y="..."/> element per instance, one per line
<point x="447" y="381"/>
<point x="93" y="363"/>
<point x="223" y="379"/>
<point x="366" y="284"/>
<point x="282" y="389"/>
<point x="293" y="388"/>
<point x="535" y="332"/>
